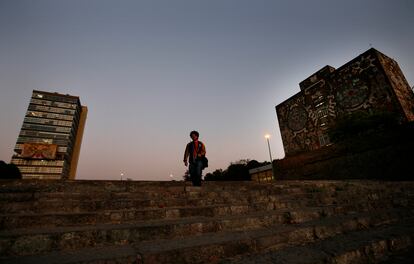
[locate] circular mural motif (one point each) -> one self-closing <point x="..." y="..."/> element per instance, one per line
<point x="350" y="96"/>
<point x="297" y="118"/>
<point x="364" y="64"/>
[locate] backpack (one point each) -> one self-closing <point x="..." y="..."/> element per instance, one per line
<point x="204" y="159"/>
<point x="205" y="162"/>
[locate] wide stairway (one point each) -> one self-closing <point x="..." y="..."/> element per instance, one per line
<point x="221" y="222"/>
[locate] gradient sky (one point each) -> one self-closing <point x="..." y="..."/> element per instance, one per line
<point x="152" y="71"/>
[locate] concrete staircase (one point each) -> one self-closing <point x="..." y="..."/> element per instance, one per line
<point x="221" y="222"/>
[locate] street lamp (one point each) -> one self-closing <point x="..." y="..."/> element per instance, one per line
<point x="267" y="136"/>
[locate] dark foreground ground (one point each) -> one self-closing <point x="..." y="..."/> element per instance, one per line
<point x="350" y="221"/>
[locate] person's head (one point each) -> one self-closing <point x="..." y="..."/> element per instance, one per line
<point x="194" y="135"/>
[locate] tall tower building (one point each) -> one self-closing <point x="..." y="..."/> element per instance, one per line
<point x="49" y="142"/>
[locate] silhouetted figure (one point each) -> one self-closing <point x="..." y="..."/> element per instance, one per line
<point x="9" y="171"/>
<point x="195" y="157"/>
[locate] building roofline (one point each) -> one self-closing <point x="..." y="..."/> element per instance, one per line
<point x="371" y="50"/>
<point x="321" y="69"/>
<point x="260" y="169"/>
<point x="288" y="99"/>
<point x="59" y="94"/>
<point x="56" y="93"/>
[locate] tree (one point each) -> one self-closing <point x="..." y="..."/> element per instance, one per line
<point x="216" y="175"/>
<point x="9" y="171"/>
<point x="236" y="171"/>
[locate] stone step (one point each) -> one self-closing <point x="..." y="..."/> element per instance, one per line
<point x="387" y="244"/>
<point x="161" y="189"/>
<point x="210" y="248"/>
<point x="24" y="213"/>
<point x="190" y="192"/>
<point x="366" y="246"/>
<point x="124" y="254"/>
<point x="60" y="202"/>
<point x="96" y="203"/>
<point x="172" y="222"/>
<point x="31" y="188"/>
<point x="64" y="238"/>
<point x="150" y="188"/>
<point x="404" y="256"/>
<point x="11" y="221"/>
<point x="130" y="213"/>
<point x="75" y="189"/>
<point x="37" y="241"/>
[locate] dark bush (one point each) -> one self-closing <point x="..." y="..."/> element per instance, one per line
<point x="9" y="171"/>
<point x="236" y="171"/>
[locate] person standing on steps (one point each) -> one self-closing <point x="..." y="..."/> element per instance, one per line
<point x="195" y="157"/>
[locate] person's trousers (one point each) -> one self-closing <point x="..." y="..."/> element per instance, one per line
<point x="195" y="170"/>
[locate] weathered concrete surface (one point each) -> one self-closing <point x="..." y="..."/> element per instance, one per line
<point x="229" y="222"/>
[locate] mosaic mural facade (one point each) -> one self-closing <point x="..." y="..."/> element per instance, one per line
<point x="370" y="82"/>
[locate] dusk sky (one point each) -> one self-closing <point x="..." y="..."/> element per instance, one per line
<point x="152" y="71"/>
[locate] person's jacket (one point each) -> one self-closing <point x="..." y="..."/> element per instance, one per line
<point x="189" y="150"/>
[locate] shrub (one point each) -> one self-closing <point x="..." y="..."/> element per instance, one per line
<point x="9" y="171"/>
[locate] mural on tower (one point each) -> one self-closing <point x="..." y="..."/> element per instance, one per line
<point x="39" y="151"/>
<point x="370" y="82"/>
